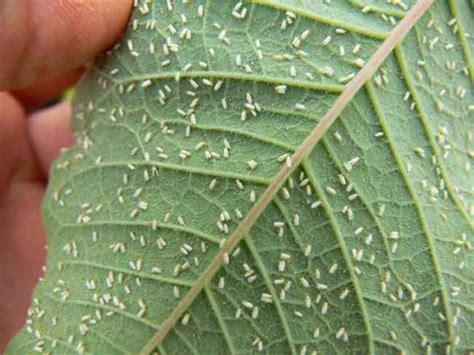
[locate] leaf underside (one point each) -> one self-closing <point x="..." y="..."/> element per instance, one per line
<point x="367" y="247"/>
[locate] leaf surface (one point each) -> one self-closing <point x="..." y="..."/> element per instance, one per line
<point x="196" y="135"/>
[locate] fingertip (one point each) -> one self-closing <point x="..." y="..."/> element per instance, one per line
<point x="11" y="114"/>
<point x="46" y="90"/>
<point x="50" y="131"/>
<point x="12" y="131"/>
<point x="45" y="38"/>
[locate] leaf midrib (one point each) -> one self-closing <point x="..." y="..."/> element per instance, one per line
<point x="308" y="144"/>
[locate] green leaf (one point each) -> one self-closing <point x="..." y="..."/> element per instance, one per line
<point x="198" y="215"/>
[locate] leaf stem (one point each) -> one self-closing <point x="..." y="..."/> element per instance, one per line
<point x="395" y="37"/>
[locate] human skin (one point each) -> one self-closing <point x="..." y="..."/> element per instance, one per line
<point x="44" y="45"/>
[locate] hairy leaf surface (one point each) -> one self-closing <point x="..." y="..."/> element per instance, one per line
<point x="188" y="123"/>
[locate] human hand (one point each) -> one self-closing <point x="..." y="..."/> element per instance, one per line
<point x="43" y="47"/>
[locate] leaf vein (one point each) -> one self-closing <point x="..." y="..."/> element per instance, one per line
<point x="421" y="215"/>
<point x="143" y="275"/>
<point x="235" y="76"/>
<point x="322" y="19"/>
<point x="271" y="289"/>
<point x="220" y="320"/>
<point x="345" y="254"/>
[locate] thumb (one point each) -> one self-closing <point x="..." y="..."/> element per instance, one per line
<point x="45" y="38"/>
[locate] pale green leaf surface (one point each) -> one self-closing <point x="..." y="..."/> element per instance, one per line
<point x="390" y="267"/>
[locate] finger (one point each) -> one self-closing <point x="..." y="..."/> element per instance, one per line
<point x="44" y="38"/>
<point x="46" y="90"/>
<point x="12" y="131"/>
<point x="21" y="241"/>
<point x="22" y="254"/>
<point x="49" y="130"/>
